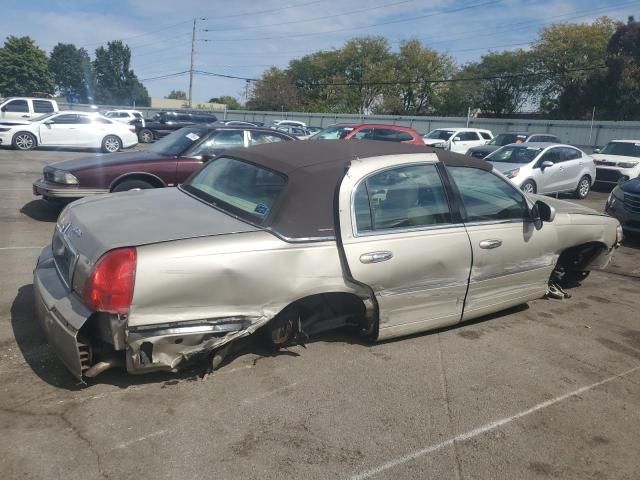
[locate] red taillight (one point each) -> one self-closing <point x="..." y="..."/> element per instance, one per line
<point x="109" y="287"/>
<point x="132" y="129"/>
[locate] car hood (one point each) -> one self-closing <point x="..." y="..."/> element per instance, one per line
<point x="433" y="141"/>
<point x="484" y="148"/>
<point x="141" y="217"/>
<point x="109" y="159"/>
<point x="614" y="158"/>
<point x="631" y="186"/>
<point x="562" y="206"/>
<point x="504" y="166"/>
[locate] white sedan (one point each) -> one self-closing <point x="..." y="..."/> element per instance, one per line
<point x="68" y="129"/>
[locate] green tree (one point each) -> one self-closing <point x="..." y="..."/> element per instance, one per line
<point x="568" y="54"/>
<point x="232" y="103"/>
<point x="620" y="88"/>
<point x="116" y="83"/>
<point x="507" y="82"/>
<point x="24" y="68"/>
<point x="177" y="95"/>
<point x="415" y="69"/>
<point x="274" y="91"/>
<point x="72" y="71"/>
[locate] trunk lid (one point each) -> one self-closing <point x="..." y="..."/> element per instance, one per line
<point x="95" y="225"/>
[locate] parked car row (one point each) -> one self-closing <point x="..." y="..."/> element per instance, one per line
<point x="289" y="238"/>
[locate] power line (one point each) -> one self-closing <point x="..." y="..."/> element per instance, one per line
<point x="389" y="22"/>
<point x="139" y="35"/>
<point x="270" y="10"/>
<point x="169" y="75"/>
<point x="306" y="20"/>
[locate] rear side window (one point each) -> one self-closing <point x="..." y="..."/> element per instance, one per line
<point x="258" y="138"/>
<point x="20" y="106"/>
<point x="387" y="134"/>
<point x="42" y="106"/>
<point x="468" y="136"/>
<point x="402" y="197"/>
<point x="487" y="197"/>
<point x="485" y="135"/>
<point x="571" y="153"/>
<point x="66" y="119"/>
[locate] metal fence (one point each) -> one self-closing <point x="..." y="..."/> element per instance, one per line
<point x="575" y="132"/>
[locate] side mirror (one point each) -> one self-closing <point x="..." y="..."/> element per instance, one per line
<point x="4" y="109"/>
<point x="48" y="122"/>
<point x="542" y="212"/>
<point x="546" y="164"/>
<point x="456" y="139"/>
<point x="596" y="150"/>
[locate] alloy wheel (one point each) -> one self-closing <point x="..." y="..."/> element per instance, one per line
<point x="583" y="189"/>
<point x="24" y="142"/>
<point x="112" y="144"/>
<point x="528" y="188"/>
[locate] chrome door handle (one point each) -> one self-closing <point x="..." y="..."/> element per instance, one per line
<point x="376" y="257"/>
<point x="489" y="244"/>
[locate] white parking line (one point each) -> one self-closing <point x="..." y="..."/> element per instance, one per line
<point x="485" y="428"/>
<point x="21" y="248"/>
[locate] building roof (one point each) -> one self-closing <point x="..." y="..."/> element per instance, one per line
<point x="314" y="170"/>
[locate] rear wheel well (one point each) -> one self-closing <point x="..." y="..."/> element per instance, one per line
<point x="316" y="314"/>
<point x="155" y="181"/>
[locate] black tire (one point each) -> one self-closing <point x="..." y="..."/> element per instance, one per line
<point x="111" y="144"/>
<point x="529" y="187"/>
<point x="145" y="136"/>
<point x="573" y="278"/>
<point x="24" y="141"/>
<point x="280" y="331"/>
<point x="583" y="188"/>
<point x="132" y="184"/>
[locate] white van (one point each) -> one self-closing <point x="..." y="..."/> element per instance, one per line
<point x="26" y="108"/>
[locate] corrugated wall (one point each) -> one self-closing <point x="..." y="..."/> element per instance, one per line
<point x="574" y="132"/>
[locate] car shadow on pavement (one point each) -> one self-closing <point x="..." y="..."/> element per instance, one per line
<point x="41" y="210"/>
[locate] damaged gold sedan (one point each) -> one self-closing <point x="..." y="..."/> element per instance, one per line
<point x="286" y="238"/>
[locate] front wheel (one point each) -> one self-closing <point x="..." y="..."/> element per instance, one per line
<point x="145" y="136"/>
<point x="111" y="144"/>
<point x="280" y="331"/>
<point x="133" y="184"/>
<point x="583" y="189"/>
<point x="24" y="141"/>
<point x="528" y="187"/>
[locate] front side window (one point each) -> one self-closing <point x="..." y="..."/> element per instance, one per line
<point x="485" y="135"/>
<point x="218" y="140"/>
<point x="390" y="135"/>
<point x="178" y="142"/>
<point x="239" y="187"/>
<point x="401" y="197"/>
<point x="42" y="106"/>
<point x="486" y="197"/>
<point x="468" y="136"/>
<point x="554" y="155"/>
<point x="258" y="138"/>
<point x="364" y="134"/>
<point x="514" y="154"/>
<point x="20" y="106"/>
<point x="440" y="134"/>
<point x="337" y="132"/>
<point x="66" y="119"/>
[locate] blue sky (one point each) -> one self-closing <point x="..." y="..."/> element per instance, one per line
<point x="244" y="38"/>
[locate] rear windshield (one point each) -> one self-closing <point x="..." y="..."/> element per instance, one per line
<point x="440" y="134"/>
<point x="178" y="142"/>
<point x="514" y="154"/>
<point x="337" y="132"/>
<point x="625" y="149"/>
<point x="238" y="187"/>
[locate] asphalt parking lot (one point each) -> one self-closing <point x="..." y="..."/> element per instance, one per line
<point x="548" y="390"/>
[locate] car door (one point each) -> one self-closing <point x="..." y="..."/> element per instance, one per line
<point x="572" y="168"/>
<point x="89" y="132"/>
<point x="549" y="179"/>
<point x="60" y="130"/>
<point x="512" y="261"/>
<point x="401" y="239"/>
<point x="17" y="109"/>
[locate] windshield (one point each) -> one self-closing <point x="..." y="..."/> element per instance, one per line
<point x="337" y="132"/>
<point x="507" y="138"/>
<point x="514" y="154"/>
<point x="241" y="188"/>
<point x="625" y="149"/>
<point x="440" y="134"/>
<point x="177" y="142"/>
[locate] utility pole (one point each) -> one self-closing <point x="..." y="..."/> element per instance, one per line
<point x="193" y="49"/>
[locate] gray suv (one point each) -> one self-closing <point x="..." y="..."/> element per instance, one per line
<point x="503" y="139"/>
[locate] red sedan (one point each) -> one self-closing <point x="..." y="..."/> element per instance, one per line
<point x="370" y="131"/>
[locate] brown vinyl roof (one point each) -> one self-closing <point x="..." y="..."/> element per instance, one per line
<point x="315" y="168"/>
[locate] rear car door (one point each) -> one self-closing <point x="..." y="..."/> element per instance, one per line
<point x="512" y="261"/>
<point x="465" y="142"/>
<point x="41" y="107"/>
<point x="573" y="165"/>
<point x="401" y="239"/>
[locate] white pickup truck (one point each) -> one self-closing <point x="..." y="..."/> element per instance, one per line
<point x="26" y="108"/>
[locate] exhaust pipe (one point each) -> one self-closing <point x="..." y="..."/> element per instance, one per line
<point x="102" y="366"/>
